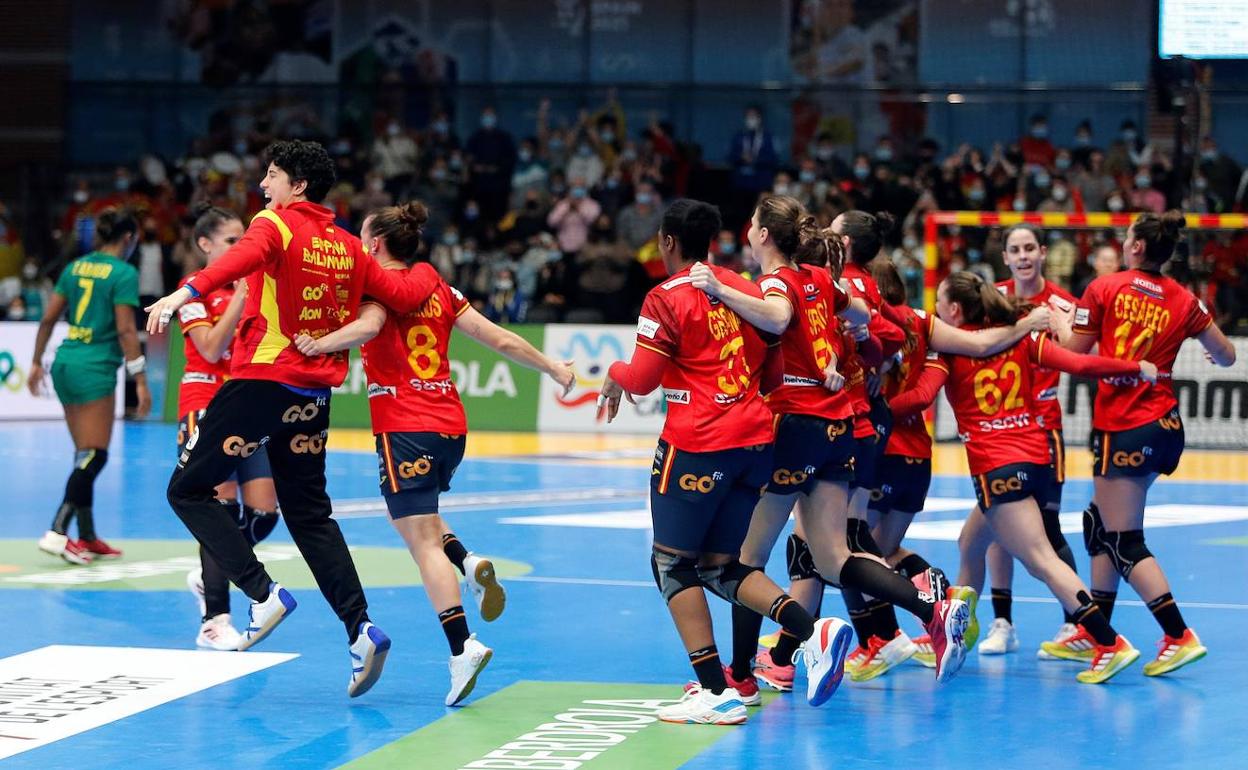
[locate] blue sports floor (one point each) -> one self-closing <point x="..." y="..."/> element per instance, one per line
<point x="568" y="518"/>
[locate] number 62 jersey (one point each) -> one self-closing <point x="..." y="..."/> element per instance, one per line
<point x="409" y="370"/>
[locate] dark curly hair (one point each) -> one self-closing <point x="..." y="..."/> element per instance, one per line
<point x="114" y="223"/>
<point x="693" y="224"/>
<point x="304" y="162"/>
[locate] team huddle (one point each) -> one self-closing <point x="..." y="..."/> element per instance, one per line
<point x="800" y="394"/>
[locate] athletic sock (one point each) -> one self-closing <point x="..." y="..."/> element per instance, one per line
<point x="1166" y="612"/>
<point x="792" y="617"/>
<point x="454" y="551"/>
<point x="64" y="515"/>
<point x="1093" y="620"/>
<point x="86" y="524"/>
<point x="786" y="647"/>
<point x="1003" y="604"/>
<point x="746" y="625"/>
<point x="912" y="565"/>
<point x="1105" y="600"/>
<point x="859" y="615"/>
<point x="873" y="578"/>
<point x="709" y="670"/>
<point x="455" y="626"/>
<point x="883" y="619"/>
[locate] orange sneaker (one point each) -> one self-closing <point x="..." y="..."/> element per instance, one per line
<point x="1108" y="661"/>
<point x="1173" y="654"/>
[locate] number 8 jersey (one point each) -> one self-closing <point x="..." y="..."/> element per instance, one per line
<point x="1137" y="315"/>
<point x="409" y="371"/>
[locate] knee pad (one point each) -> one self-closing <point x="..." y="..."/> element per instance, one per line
<point x="725" y="580"/>
<point x="91" y="461"/>
<point x="1093" y="531"/>
<point x="1053" y="530"/>
<point x="860" y="538"/>
<point x="256" y="525"/>
<point x="1126" y="549"/>
<point x="673" y="574"/>
<point x="800" y="560"/>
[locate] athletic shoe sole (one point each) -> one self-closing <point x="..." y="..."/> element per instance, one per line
<point x="494" y="600"/>
<point x="1101" y="677"/>
<point x="262" y="633"/>
<point x="728" y="718"/>
<point x="838" y="647"/>
<point x="472" y="683"/>
<point x="955" y="647"/>
<point x="1196" y="655"/>
<point x="374" y="661"/>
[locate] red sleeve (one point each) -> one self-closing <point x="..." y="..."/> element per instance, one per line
<point x="1198" y="318"/>
<point x="840" y="298"/>
<point x="261" y="243"/>
<point x="641" y="375"/>
<point x="871" y="351"/>
<point x="1090" y="308"/>
<point x="656" y="330"/>
<point x="890" y="335"/>
<point x="1055" y="356"/>
<point x="921" y="396"/>
<point x="772" y="375"/>
<point x="459" y="303"/>
<point x="401" y="291"/>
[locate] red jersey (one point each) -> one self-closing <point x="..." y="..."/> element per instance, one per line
<point x="1048" y="410"/>
<point x="304" y="276"/>
<point x="201" y="379"/>
<point x="855" y="372"/>
<point x="809" y="343"/>
<point x="1135" y="316"/>
<point x="712" y="379"/>
<point x="910" y="437"/>
<point x="409" y="369"/>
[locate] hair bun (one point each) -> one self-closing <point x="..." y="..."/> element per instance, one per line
<point x="1172" y="224"/>
<point x="884" y="223"/>
<point x="807" y="228"/>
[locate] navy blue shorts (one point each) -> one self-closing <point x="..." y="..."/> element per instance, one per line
<point x="1151" y="448"/>
<point x="702" y="502"/>
<point x="870" y="449"/>
<point x="255" y="466"/>
<point x="415" y="468"/>
<point x="1057" y="469"/>
<point x="810" y="449"/>
<point x="1009" y="483"/>
<point x="902" y="484"/>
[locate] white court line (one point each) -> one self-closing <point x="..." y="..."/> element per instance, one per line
<point x="375" y="506"/>
<point x="1028" y="599"/>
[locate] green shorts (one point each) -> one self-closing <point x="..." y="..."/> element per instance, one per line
<point x="82" y="381"/>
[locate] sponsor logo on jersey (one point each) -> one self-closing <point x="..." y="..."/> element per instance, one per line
<point x="647" y="327"/>
<point x="676" y="396"/>
<point x="375" y="390"/>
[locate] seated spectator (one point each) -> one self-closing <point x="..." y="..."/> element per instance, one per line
<point x="505" y="304"/>
<point x="1058" y="198"/>
<point x="1038" y="151"/>
<point x="572" y="216"/>
<point x="447" y="255"/>
<point x="1145" y="197"/>
<point x="639" y="221"/>
<point x="586" y="163"/>
<point x="530" y="173"/>
<point x="602" y="275"/>
<point x="395" y="157"/>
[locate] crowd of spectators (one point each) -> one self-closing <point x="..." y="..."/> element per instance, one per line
<point x="556" y="221"/>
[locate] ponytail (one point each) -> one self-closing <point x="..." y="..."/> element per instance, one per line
<point x="981" y="302"/>
<point x="866" y="233"/>
<point x="114" y="224"/>
<point x="798" y="236"/>
<point x="1160" y="235"/>
<point x="400" y="228"/>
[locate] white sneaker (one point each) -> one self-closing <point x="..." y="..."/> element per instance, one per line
<point x="1066" y="631"/>
<point x="60" y="545"/>
<point x="465" y="667"/>
<point x="824" y="654"/>
<point x="264" y="616"/>
<point x="195" y="582"/>
<point x="218" y="633"/>
<point x="1001" y="638"/>
<point x="483" y="582"/>
<point x="368" y="657"/>
<point x="703" y="707"/>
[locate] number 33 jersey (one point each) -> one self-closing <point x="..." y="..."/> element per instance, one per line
<point x="1138" y="316"/>
<point x="409" y="369"/>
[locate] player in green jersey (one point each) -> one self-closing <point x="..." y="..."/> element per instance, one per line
<point x="99" y="291"/>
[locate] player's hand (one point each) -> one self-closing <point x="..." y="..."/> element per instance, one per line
<point x="701" y="276"/>
<point x="609" y="399"/>
<point x="307" y="345"/>
<point x="1148" y="372"/>
<point x="832" y="379"/>
<point x="1039" y="319"/>
<point x="145" y="398"/>
<point x="160" y="312"/>
<point x="34" y="379"/>
<point x="562" y="373"/>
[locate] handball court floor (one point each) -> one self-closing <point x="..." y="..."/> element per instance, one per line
<point x="565" y="519"/>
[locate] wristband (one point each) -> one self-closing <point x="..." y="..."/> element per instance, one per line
<point x="194" y="292"/>
<point x="136" y="366"/>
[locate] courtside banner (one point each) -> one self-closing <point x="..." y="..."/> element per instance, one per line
<point x="592" y="349"/>
<point x="54" y="692"/>
<point x="17" y="346"/>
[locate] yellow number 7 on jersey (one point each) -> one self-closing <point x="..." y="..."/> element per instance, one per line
<point x="87" y="285"/>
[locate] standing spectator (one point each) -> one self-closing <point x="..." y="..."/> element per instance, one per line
<point x="1219" y="169"/>
<point x="752" y="157"/>
<point x="1083" y="148"/>
<point x="1094" y="183"/>
<point x="572" y="216"/>
<point x="1058" y="197"/>
<point x="506" y="304"/>
<point x="586" y="163"/>
<point x="613" y="192"/>
<point x="1037" y="150"/>
<point x="447" y="255"/>
<point x="602" y="276"/>
<point x="492" y="158"/>
<point x="639" y="222"/>
<point x="374" y="195"/>
<point x="1145" y="197"/>
<point x="530" y="173"/>
<point x="151" y="263"/>
<point x="395" y="156"/>
<point x="440" y="193"/>
<point x="1129" y="151"/>
<point x="440" y="140"/>
<point x="35" y="289"/>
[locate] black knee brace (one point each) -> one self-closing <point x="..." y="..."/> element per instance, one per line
<point x="725" y="580"/>
<point x="673" y="574"/>
<point x="256" y="525"/>
<point x="860" y="538"/>
<point x="1093" y="531"/>
<point x="1126" y="550"/>
<point x="800" y="561"/>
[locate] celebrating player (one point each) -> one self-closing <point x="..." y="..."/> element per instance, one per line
<point x="421" y="428"/>
<point x="100" y="291"/>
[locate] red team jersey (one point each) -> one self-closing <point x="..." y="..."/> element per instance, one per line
<point x="409" y="369"/>
<point x="809" y="343"/>
<point x="1137" y="315"/>
<point x="1048" y="410"/>
<point x="910" y="437"/>
<point x="711" y="382"/>
<point x="201" y="380"/>
<point x="852" y="368"/>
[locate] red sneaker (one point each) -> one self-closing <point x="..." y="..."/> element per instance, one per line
<point x="746" y="688"/>
<point x="946" y="631"/>
<point x="99" y="549"/>
<point x="67" y="548"/>
<point x="773" y="674"/>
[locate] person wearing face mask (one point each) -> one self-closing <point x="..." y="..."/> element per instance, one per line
<point x="440" y="139"/>
<point x="491" y="160"/>
<point x="586" y="162"/>
<point x="1218" y="169"/>
<point x="1081" y="146"/>
<point x="640" y="220"/>
<point x="395" y="157"/>
<point x="1036" y="148"/>
<point x="1093" y="182"/>
<point x="753" y="159"/>
<point x="602" y="275"/>
<point x="34" y="290"/>
<point x="1058" y="198"/>
<point x="446" y="255"/>
<point x="530" y="174"/>
<point x="152" y="255"/>
<point x="1128" y="151"/>
<point x="100" y="292"/>
<point x="1144" y="196"/>
<point x="572" y="216"/>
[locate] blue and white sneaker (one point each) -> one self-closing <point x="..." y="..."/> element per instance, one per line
<point x="465" y="667"/>
<point x="368" y="657"/>
<point x="263" y="617"/>
<point x="703" y="707"/>
<point x="824" y="655"/>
